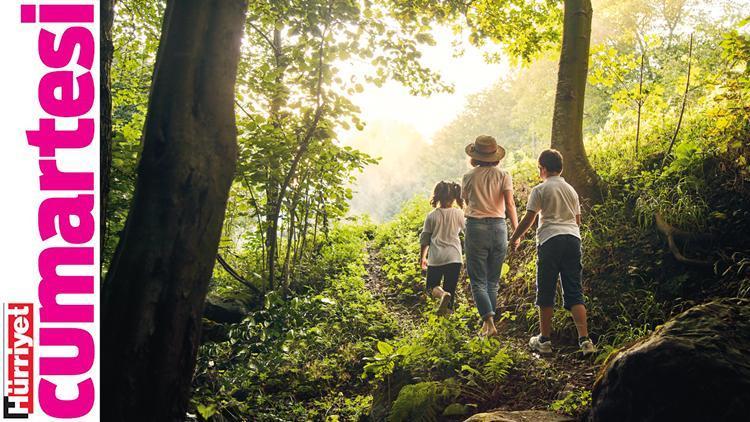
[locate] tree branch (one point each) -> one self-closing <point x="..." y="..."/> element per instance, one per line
<point x="265" y="37"/>
<point x="228" y="268"/>
<point x="684" y="101"/>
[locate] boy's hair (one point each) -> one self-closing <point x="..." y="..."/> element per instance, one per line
<point x="476" y="163"/>
<point x="445" y="193"/>
<point x="552" y="160"/>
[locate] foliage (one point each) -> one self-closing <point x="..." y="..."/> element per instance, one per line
<point x="309" y="347"/>
<point x="423" y="401"/>
<point x="574" y="403"/>
<point x="523" y="28"/>
<point x="438" y="348"/>
<point x="398" y="242"/>
<point x="318" y="343"/>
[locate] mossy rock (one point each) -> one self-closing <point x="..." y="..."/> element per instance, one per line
<point x="696" y="367"/>
<point x="519" y="416"/>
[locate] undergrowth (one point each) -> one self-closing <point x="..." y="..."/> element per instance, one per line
<point x="300" y="357"/>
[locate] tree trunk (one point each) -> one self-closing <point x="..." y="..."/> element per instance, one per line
<point x="640" y="106"/>
<point x="156" y="287"/>
<point x="299" y="251"/>
<point x="274" y="198"/>
<point x="567" y="121"/>
<point x="107" y="14"/>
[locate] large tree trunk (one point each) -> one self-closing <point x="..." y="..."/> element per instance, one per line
<point x="107" y="14"/>
<point x="567" y="121"/>
<point x="156" y="286"/>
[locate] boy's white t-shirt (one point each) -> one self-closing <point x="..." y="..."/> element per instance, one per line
<point x="440" y="231"/>
<point x="557" y="203"/>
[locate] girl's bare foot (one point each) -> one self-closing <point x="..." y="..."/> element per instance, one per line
<point x="437" y="292"/>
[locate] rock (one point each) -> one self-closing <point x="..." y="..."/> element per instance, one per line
<point x="694" y="368"/>
<point x="519" y="416"/>
<point x="224" y="311"/>
<point x="213" y="332"/>
<point x="569" y="388"/>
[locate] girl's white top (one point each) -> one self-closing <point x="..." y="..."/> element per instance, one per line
<point x="440" y="232"/>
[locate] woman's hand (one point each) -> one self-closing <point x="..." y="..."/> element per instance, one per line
<point x="423" y="263"/>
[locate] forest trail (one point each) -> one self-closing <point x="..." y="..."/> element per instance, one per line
<point x="406" y="314"/>
<point x="531" y="391"/>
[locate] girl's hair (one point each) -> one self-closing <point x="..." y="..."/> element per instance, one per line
<point x="477" y="163"/>
<point x="445" y="193"/>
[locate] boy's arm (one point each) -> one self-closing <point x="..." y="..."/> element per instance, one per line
<point x="578" y="219"/>
<point x="523" y="227"/>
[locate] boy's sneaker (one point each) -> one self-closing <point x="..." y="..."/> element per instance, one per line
<point x="445" y="302"/>
<point x="537" y="345"/>
<point x="586" y="345"/>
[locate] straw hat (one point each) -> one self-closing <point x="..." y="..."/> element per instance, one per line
<point x="485" y="148"/>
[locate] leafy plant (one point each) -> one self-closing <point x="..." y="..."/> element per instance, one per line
<point x="574" y="403"/>
<point x="424" y="401"/>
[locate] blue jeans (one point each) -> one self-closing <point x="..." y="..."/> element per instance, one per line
<point x="486" y="246"/>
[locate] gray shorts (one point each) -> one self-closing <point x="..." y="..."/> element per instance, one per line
<point x="559" y="256"/>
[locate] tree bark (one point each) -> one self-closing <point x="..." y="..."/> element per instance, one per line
<point x="567" y="120"/>
<point x="156" y="287"/>
<point x="274" y="194"/>
<point x="107" y="14"/>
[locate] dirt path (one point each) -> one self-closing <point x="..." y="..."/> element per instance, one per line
<point x="537" y="383"/>
<point x="406" y="314"/>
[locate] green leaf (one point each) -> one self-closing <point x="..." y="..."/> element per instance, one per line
<point x="505" y="270"/>
<point x="385" y="348"/>
<point x="456" y="409"/>
<point x="206" y="411"/>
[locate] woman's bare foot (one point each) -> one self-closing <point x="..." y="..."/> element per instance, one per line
<point x="488" y="328"/>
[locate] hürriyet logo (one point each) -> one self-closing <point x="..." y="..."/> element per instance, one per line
<point x="18" y="400"/>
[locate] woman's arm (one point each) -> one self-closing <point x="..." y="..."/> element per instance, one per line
<point x="510" y="209"/>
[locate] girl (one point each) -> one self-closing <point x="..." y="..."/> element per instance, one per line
<point x="488" y="192"/>
<point x="440" y="238"/>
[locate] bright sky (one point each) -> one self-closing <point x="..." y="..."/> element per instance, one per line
<point x="392" y="102"/>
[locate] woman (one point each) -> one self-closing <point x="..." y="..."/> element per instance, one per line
<point x="488" y="192"/>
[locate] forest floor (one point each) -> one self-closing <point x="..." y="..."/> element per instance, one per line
<point x="538" y="381"/>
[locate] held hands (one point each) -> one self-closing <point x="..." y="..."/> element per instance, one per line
<point x="515" y="243"/>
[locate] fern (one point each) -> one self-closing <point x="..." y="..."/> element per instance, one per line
<point x="423" y="401"/>
<point x="497" y="368"/>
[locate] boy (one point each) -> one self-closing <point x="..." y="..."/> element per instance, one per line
<point x="558" y="250"/>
